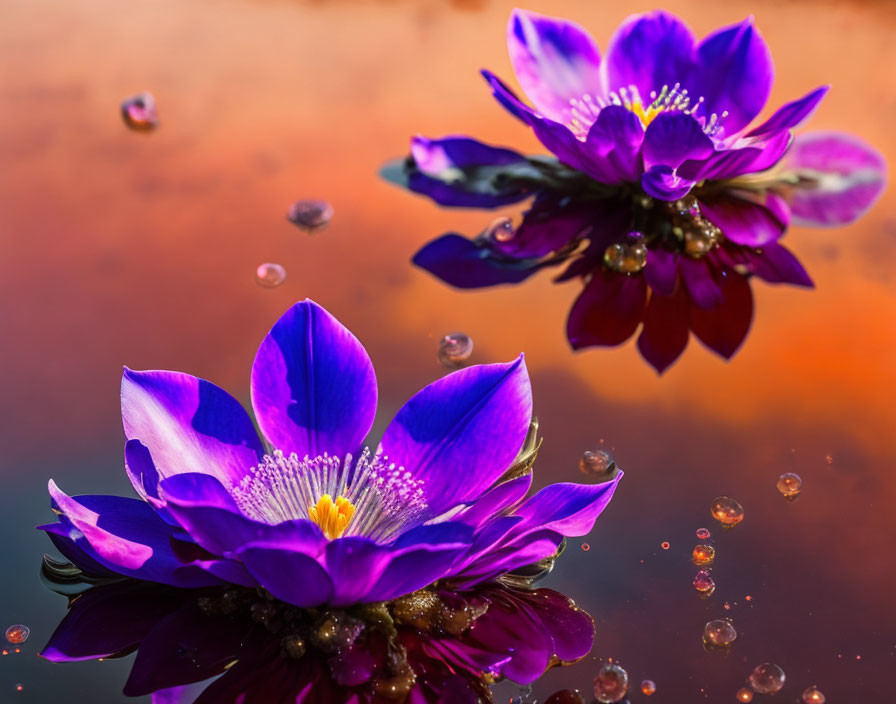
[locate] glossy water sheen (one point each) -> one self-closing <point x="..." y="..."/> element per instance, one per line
<point x="138" y="249"/>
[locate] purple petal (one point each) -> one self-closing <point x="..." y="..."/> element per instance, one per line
<point x="555" y="61"/>
<point x="413" y="568"/>
<point x="60" y="536"/>
<point x="127" y="537"/>
<point x="661" y="271"/>
<point x="459" y="434"/>
<point x="508" y="98"/>
<point x="570" y="628"/>
<point x="791" y="115"/>
<point x="313" y="386"/>
<point x="615" y="139"/>
<point x="649" y="51"/>
<point x="734" y="74"/>
<point x="290" y="576"/>
<point x="608" y="310"/>
<point x="746" y="222"/>
<point x="665" y="332"/>
<point x="568" y="509"/>
<point x="353" y="667"/>
<point x="752" y="156"/>
<point x="188" y="425"/>
<point x="662" y="183"/>
<point x="141" y="470"/>
<point x="465" y="263"/>
<point x="724" y="327"/>
<point x="437" y="156"/>
<point x="548" y="226"/>
<point x="569" y="149"/>
<point x="699" y="282"/>
<point x="673" y="138"/>
<point x="777" y="265"/>
<point x="496" y="500"/>
<point x="842" y="176"/>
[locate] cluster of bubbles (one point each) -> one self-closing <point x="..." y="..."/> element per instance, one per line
<point x="455" y="349"/>
<point x="139" y="112"/>
<point x="627" y="257"/>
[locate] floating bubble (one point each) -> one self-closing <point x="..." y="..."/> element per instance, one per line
<point x="727" y="511"/>
<point x="20" y="687"/>
<point x="310" y="214"/>
<point x="139" y="112"/>
<point x="565" y="696"/>
<point x="455" y="349"/>
<point x="270" y="275"/>
<point x="703" y="555"/>
<point x="17" y="634"/>
<point x="627" y="258"/>
<point x="611" y="684"/>
<point x="664" y="545"/>
<point x="813" y="695"/>
<point x="703" y="582"/>
<point x="703" y="533"/>
<point x="719" y="633"/>
<point x="744" y="695"/>
<point x="597" y="463"/>
<point x="585" y="547"/>
<point x="648" y="687"/>
<point x="790" y="484"/>
<point x="500" y="230"/>
<point x="767" y="678"/>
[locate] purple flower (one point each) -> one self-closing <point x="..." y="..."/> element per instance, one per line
<point x="306" y="511"/>
<point x="661" y="195"/>
<point x="420" y="648"/>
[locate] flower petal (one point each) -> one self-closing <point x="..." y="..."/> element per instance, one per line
<point x="662" y="183"/>
<point x="555" y="60"/>
<point x="549" y="225"/>
<point x="777" y="265"/>
<point x="661" y="271"/>
<point x="791" y="115"/>
<point x="608" y="310"/>
<point x="615" y="141"/>
<point x="724" y="327"/>
<point x="459" y="434"/>
<point x="699" y="282"/>
<point x="734" y="74"/>
<point x="744" y="157"/>
<point x="568" y="509"/>
<point x="508" y="99"/>
<point x="648" y="51"/>
<point x="313" y="385"/>
<point x="665" y="332"/>
<point x="290" y="576"/>
<point x="188" y="425"/>
<point x="673" y="138"/>
<point x="745" y="221"/>
<point x="841" y="178"/>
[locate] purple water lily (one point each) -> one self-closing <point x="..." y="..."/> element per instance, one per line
<point x="306" y="511"/>
<point x="661" y="196"/>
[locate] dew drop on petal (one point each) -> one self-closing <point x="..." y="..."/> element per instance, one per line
<point x="597" y="463"/>
<point x="744" y="695"/>
<point x="703" y="534"/>
<point x="703" y="555"/>
<point x="139" y="112"/>
<point x="767" y="678"/>
<point x="648" y="687"/>
<point x="611" y="684"/>
<point x="17" y="634"/>
<point x="270" y="275"/>
<point x="790" y="484"/>
<point x="310" y="214"/>
<point x="727" y="511"/>
<point x="813" y="695"/>
<point x="628" y="258"/>
<point x="500" y="230"/>
<point x="565" y="696"/>
<point x="455" y="349"/>
<point x="703" y="582"/>
<point x="719" y="633"/>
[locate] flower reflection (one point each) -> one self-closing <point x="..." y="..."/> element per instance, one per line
<point x="433" y="645"/>
<point x="659" y="196"/>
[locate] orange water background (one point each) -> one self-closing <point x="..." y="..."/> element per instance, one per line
<point x="126" y="248"/>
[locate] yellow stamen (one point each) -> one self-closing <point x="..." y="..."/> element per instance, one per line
<point x="645" y="115"/>
<point x="332" y="517"/>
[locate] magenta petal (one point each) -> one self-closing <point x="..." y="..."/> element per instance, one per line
<point x="746" y="222"/>
<point x="188" y="425"/>
<point x="508" y="98"/>
<point x="313" y="386"/>
<point x="290" y="576"/>
<point x="661" y="271"/>
<point x="568" y="509"/>
<point x="665" y="332"/>
<point x="496" y="500"/>
<point x="791" y="115"/>
<point x="608" y="310"/>
<point x="751" y="156"/>
<point x="842" y="178"/>
<point x="555" y="61"/>
<point x="724" y="327"/>
<point x="462" y="432"/>
<point x="662" y="183"/>
<point x="614" y="141"/>
<point x="699" y="282"/>
<point x="777" y="265"/>
<point x="673" y="138"/>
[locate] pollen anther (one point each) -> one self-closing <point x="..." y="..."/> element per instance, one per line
<point x="332" y="516"/>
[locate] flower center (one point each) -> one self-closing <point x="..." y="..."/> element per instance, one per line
<point x="584" y="110"/>
<point x="332" y="516"/>
<point x="374" y="497"/>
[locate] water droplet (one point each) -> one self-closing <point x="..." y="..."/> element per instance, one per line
<point x="270" y="275"/>
<point x="310" y="214"/>
<point x="500" y="230"/>
<point x="585" y="547"/>
<point x="664" y="545"/>
<point x="703" y="555"/>
<point x="726" y="606"/>
<point x="648" y="687"/>
<point x="813" y="695"/>
<point x="727" y="511"/>
<point x="767" y="678"/>
<point x="744" y="695"/>
<point x="703" y="582"/>
<point x="719" y="633"/>
<point x="790" y="484"/>
<point x="597" y="463"/>
<point x="17" y="634"/>
<point x="20" y="687"/>
<point x="703" y="533"/>
<point x="139" y="112"/>
<point x="829" y="459"/>
<point x="626" y="258"/>
<point x="611" y="684"/>
<point x="565" y="696"/>
<point x="455" y="349"/>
